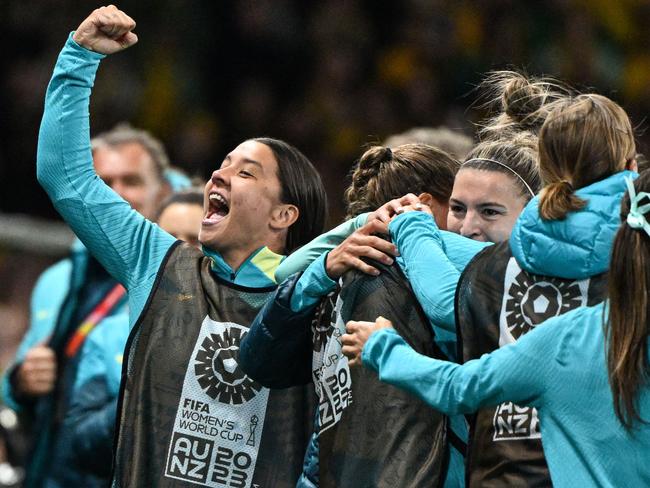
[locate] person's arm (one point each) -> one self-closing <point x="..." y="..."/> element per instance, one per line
<point x="431" y="274"/>
<point x="277" y="350"/>
<point x="91" y="421"/>
<point x="312" y="286"/>
<point x="460" y="250"/>
<point x="299" y="260"/>
<point x="379" y="219"/>
<point x="281" y="331"/>
<point x="45" y="301"/>
<point x="127" y="245"/>
<point x="520" y="372"/>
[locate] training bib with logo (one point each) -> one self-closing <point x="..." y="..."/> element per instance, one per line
<point x="372" y="433"/>
<point x="496" y="303"/>
<point x="188" y="414"/>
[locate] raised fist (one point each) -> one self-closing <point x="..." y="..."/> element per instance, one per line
<point x="107" y="30"/>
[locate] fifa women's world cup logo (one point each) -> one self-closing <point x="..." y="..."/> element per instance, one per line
<point x="218" y="372"/>
<point x="532" y="300"/>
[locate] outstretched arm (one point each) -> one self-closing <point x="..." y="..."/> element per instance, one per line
<point x="519" y="372"/>
<point x="299" y="260"/>
<point x="459" y="250"/>
<point x="128" y="246"/>
<point x="277" y="350"/>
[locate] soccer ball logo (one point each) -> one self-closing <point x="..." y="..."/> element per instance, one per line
<point x="218" y="372"/>
<point x="534" y="299"/>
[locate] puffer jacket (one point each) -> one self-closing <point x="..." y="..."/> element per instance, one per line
<point x="578" y="246"/>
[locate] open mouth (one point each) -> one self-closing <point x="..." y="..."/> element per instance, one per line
<point x="217" y="209"/>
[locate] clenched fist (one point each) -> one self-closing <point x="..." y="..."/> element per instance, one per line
<point x="106" y="31"/>
<point x="37" y="374"/>
<point x="356" y="336"/>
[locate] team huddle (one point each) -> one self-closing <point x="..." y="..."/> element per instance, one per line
<point x="479" y="319"/>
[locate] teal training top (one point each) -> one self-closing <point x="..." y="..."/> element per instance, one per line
<point x="559" y="368"/>
<point x="130" y="247"/>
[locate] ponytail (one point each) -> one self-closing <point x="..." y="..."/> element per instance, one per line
<point x="627" y="327"/>
<point x="557" y="199"/>
<point x="583" y="140"/>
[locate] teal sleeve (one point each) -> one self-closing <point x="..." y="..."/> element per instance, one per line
<point x="303" y="257"/>
<point x="312" y="286"/>
<point x="127" y="245"/>
<point x="519" y="372"/>
<point x="431" y="274"/>
<point x="460" y="250"/>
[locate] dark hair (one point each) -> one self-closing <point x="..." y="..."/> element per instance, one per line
<point x="191" y="196"/>
<point x="583" y="140"/>
<point x="382" y="174"/>
<point x="123" y="133"/>
<point x="518" y="152"/>
<point x="627" y="327"/>
<point x="301" y="185"/>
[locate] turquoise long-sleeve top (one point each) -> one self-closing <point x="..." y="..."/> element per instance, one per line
<point x="130" y="247"/>
<point x="419" y="241"/>
<point x="460" y="250"/>
<point x="559" y="368"/>
<point x="425" y="253"/>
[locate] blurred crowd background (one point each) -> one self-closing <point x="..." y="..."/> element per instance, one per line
<point x="329" y="76"/>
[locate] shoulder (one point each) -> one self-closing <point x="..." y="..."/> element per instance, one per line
<point x="57" y="273"/>
<point x="50" y="290"/>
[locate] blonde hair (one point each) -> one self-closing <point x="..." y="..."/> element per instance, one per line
<point x="521" y="102"/>
<point x="584" y="139"/>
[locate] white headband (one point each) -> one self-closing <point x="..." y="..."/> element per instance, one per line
<point x="532" y="193"/>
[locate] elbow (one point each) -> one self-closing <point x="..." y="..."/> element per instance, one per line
<point x="40" y="172"/>
<point x="43" y="175"/>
